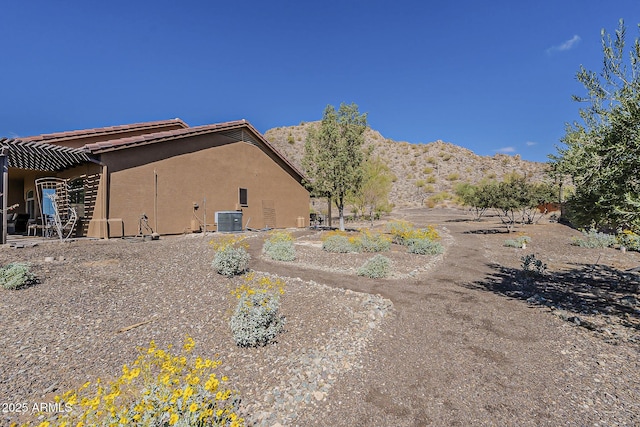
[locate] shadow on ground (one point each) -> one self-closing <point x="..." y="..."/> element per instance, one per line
<point x="585" y="290"/>
<point x="488" y="231"/>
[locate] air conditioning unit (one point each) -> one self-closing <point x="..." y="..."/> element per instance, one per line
<point x="229" y="221"/>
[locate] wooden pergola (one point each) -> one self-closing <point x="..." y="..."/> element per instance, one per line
<point x="33" y="155"/>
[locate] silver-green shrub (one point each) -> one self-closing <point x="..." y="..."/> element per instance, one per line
<point x="16" y="275"/>
<point x="372" y="242"/>
<point x="279" y="246"/>
<point x="424" y="247"/>
<point x="256" y="321"/>
<point x="338" y="244"/>
<point x="377" y="267"/>
<point x="231" y="261"/>
<point x="280" y="251"/>
<point x="594" y="239"/>
<point x="517" y="243"/>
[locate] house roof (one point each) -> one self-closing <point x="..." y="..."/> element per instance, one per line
<point x="107" y="133"/>
<point x="41" y="156"/>
<point x="59" y="145"/>
<point x="153" y="137"/>
<point x="236" y="130"/>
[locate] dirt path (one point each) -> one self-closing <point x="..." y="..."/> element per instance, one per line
<point x="458" y="355"/>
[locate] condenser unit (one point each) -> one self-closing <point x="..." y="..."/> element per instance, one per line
<point x="229" y="221"/>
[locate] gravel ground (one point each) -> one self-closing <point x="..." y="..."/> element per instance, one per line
<point x="65" y="330"/>
<point x="456" y="339"/>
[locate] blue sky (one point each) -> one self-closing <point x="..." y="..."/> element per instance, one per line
<point x="492" y="76"/>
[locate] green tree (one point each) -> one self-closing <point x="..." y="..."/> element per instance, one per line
<point x="602" y="154"/>
<point x="513" y="199"/>
<point x="478" y="197"/>
<point x="373" y="196"/>
<point x="333" y="154"/>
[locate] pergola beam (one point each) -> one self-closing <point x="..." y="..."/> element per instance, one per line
<point x="42" y="156"/>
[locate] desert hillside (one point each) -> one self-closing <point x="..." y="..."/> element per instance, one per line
<point x="426" y="173"/>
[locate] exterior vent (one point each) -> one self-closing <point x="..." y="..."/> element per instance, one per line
<point x="229" y="221"/>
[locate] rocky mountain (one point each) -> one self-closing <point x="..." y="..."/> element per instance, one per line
<point x="426" y="174"/>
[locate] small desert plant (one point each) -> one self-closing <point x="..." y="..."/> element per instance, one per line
<point x="279" y="246"/>
<point x="159" y="389"/>
<point x="519" y="242"/>
<point x="429" y="188"/>
<point x="453" y="176"/>
<point x="376" y="268"/>
<point x="532" y="266"/>
<point x="594" y="239"/>
<point x="231" y="257"/>
<point x="16" y="275"/>
<point x="440" y="197"/>
<point x="424" y="247"/>
<point x="256" y="320"/>
<point x="337" y="242"/>
<point x="372" y="242"/>
<point x="629" y="240"/>
<point x="402" y="231"/>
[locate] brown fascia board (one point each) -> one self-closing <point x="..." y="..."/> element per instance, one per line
<point x="58" y="137"/>
<point x="152" y="138"/>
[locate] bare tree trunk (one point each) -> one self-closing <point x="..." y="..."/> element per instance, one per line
<point x="341" y="215"/>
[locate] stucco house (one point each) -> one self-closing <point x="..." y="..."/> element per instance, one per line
<point x="173" y="174"/>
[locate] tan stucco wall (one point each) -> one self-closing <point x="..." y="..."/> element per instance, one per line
<point x="187" y="173"/>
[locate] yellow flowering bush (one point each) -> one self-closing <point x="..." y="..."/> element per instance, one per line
<point x="338" y="242"/>
<point x="158" y="389"/>
<point x="220" y="243"/>
<point x="365" y="241"/>
<point x="629" y="240"/>
<point x="256" y="320"/>
<point x="280" y="236"/>
<point x="369" y="241"/>
<point x="328" y="234"/>
<point x="402" y="231"/>
<point x="231" y="257"/>
<point x="263" y="285"/>
<point x="279" y="246"/>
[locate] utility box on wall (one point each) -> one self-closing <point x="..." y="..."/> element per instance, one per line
<point x="229" y="221"/>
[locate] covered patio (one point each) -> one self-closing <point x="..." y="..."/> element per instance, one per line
<point x="24" y="162"/>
